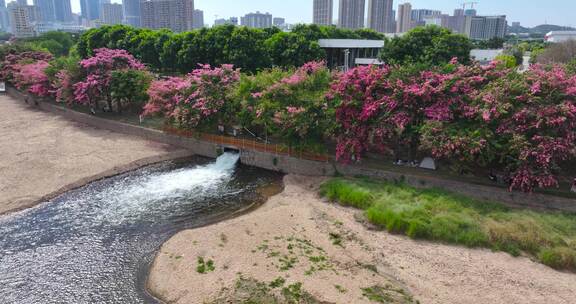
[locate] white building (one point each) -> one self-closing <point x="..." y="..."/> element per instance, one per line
<point x="560" y="36"/>
<point x="485" y="56"/>
<point x="346" y="53"/>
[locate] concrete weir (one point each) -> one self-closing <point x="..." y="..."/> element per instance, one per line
<point x="293" y="165"/>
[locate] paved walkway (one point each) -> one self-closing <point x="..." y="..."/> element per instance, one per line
<point x="43" y="152"/>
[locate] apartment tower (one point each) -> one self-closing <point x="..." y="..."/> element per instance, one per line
<point x="323" y="12"/>
<point x="177" y="15"/>
<point x="404" y="21"/>
<point x="131" y="12"/>
<point x="198" y="19"/>
<point x="351" y="14"/>
<point x="257" y="20"/>
<point x="381" y="16"/>
<point x="111" y="13"/>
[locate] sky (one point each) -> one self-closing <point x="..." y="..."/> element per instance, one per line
<point x="528" y="12"/>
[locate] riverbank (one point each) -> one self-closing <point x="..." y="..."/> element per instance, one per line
<point x="44" y="155"/>
<point x="297" y="238"/>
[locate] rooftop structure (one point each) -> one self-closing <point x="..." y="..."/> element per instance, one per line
<point x="560" y="36"/>
<point x="346" y="53"/>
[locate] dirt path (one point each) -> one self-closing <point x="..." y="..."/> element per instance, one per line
<point x="303" y="239"/>
<point x="42" y="153"/>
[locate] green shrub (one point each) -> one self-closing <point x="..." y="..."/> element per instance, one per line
<point x="559" y="258"/>
<point x="346" y="194"/>
<point x="446" y="217"/>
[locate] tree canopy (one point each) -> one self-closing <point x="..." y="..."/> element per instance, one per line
<point x="429" y="45"/>
<point x="247" y="48"/>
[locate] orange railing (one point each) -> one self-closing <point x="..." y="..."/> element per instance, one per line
<point x="248" y="144"/>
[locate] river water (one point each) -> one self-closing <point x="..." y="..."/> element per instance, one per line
<point x="95" y="244"/>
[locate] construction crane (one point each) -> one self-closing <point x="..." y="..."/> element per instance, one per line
<point x="471" y="4"/>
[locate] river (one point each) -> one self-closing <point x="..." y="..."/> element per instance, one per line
<point x="95" y="244"/>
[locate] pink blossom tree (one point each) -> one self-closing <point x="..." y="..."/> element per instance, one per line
<point x="383" y="108"/>
<point x="26" y="71"/>
<point x="200" y="99"/>
<point x="523" y="124"/>
<point x="98" y="70"/>
<point x="294" y="108"/>
<point x="31" y="77"/>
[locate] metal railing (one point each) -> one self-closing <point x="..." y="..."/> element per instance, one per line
<point x="248" y="144"/>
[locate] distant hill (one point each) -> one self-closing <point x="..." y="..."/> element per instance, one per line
<point x="540" y="29"/>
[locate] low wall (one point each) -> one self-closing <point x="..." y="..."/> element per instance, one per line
<point x="292" y="165"/>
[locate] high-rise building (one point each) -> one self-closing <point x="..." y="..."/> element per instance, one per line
<point x="257" y="20"/>
<point x="54" y="10"/>
<point x="351" y="14"/>
<point x="46" y="10"/>
<point x="4" y="17"/>
<point x="322" y="12"/>
<point x="278" y="22"/>
<point x="20" y="19"/>
<point x="63" y="10"/>
<point x="381" y="16"/>
<point x="222" y="21"/>
<point x="177" y="15"/>
<point x="131" y="12"/>
<point x="111" y="13"/>
<point x="91" y="9"/>
<point x="404" y="20"/>
<point x="198" y="19"/>
<point x="419" y="15"/>
<point x="487" y="27"/>
<point x="22" y="2"/>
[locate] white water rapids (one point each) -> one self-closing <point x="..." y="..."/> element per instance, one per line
<point x="94" y="244"/>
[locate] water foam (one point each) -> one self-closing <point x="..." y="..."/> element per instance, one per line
<point x="155" y="192"/>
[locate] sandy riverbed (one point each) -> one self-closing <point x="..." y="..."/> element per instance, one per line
<point x="252" y="246"/>
<point x="43" y="152"/>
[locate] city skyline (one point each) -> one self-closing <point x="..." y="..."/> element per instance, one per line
<point x="557" y="12"/>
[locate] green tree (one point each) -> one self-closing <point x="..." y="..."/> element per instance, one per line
<point x="128" y="89"/>
<point x="115" y="35"/>
<point x="246" y="49"/>
<point x="190" y="52"/>
<point x="169" y="56"/>
<point x="429" y="45"/>
<point x="507" y="61"/>
<point x="492" y="43"/>
<point x="289" y="50"/>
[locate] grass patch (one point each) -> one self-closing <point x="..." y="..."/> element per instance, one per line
<point x="433" y="214"/>
<point x="251" y="291"/>
<point x="386" y="294"/>
<point x="205" y="266"/>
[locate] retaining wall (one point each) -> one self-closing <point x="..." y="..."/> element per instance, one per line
<point x="287" y="164"/>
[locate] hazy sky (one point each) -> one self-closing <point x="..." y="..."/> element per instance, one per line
<point x="528" y="12"/>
